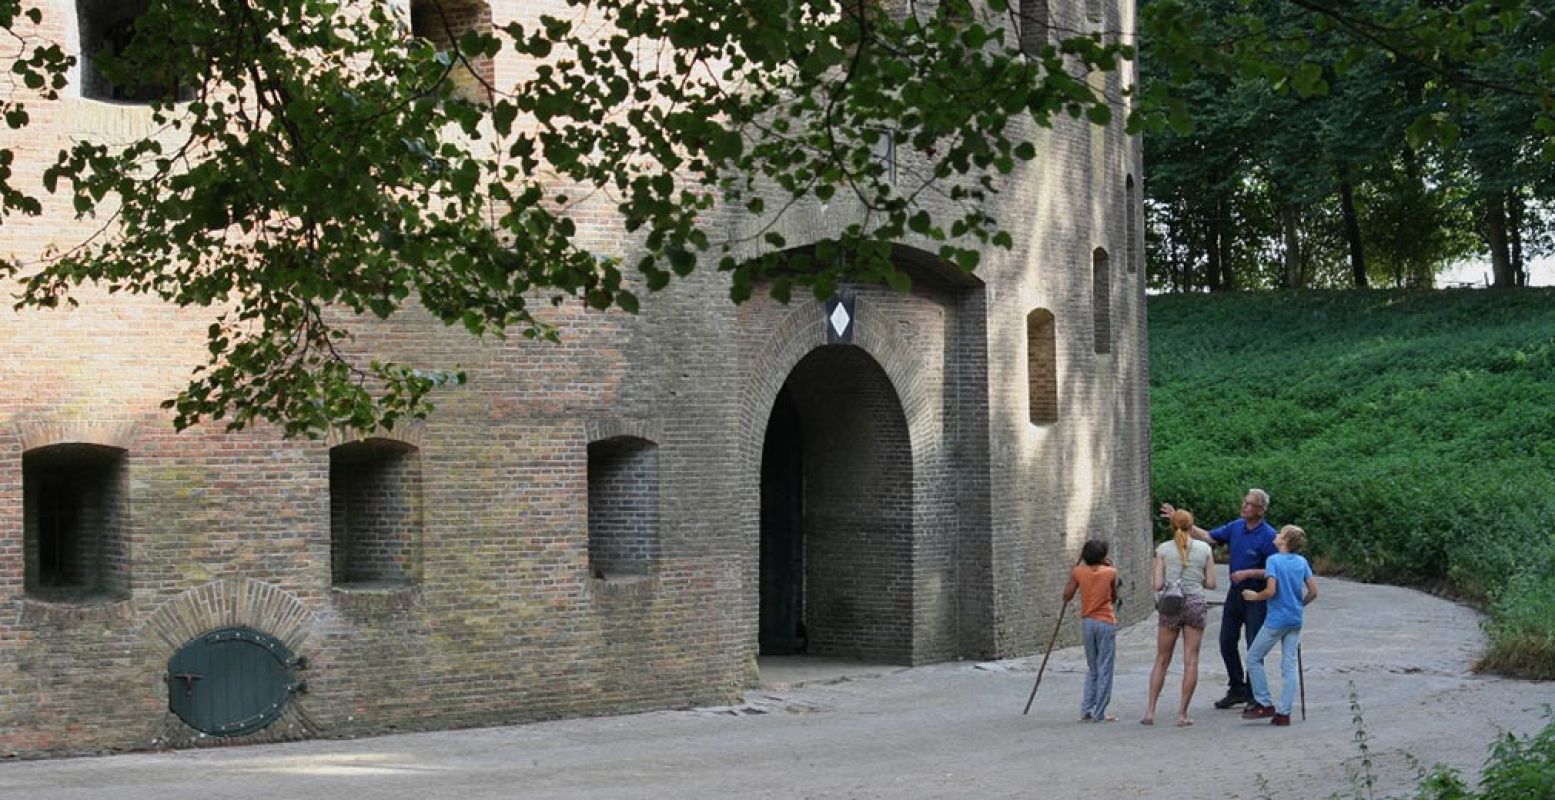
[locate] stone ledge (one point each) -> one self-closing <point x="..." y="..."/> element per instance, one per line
<point x="624" y="587"/>
<point x="109" y="608"/>
<point x="374" y="600"/>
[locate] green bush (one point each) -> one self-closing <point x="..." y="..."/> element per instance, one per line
<point x="1519" y="768"/>
<point x="1412" y="434"/>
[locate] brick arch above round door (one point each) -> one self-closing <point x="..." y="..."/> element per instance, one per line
<point x="228" y="604"/>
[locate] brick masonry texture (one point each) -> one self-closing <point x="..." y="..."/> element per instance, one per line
<point x="940" y="519"/>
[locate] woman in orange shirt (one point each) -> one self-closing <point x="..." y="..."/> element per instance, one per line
<point x="1097" y="582"/>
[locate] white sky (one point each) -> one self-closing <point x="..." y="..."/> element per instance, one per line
<point x="1541" y="272"/>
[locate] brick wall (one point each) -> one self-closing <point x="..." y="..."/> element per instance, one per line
<point x="964" y="525"/>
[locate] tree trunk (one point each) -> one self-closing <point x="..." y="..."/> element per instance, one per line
<point x="1290" y="221"/>
<point x="1223" y="244"/>
<point x="1495" y="236"/>
<point x="1514" y="224"/>
<point x="1212" y="277"/>
<point x="1352" y="233"/>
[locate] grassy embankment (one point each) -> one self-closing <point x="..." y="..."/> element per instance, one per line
<point x="1412" y="434"/>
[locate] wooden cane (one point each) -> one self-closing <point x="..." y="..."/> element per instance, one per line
<point x="1042" y="668"/>
<point x="1301" y="681"/>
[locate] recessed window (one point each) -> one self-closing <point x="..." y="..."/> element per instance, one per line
<point x="106" y="29"/>
<point x="1095" y="12"/>
<point x="1101" y="297"/>
<point x="374" y="512"/>
<point x="1033" y="26"/>
<point x="1041" y="366"/>
<point x="623" y="507"/>
<point x="75" y="540"/>
<point x="444" y="23"/>
<point x="1131" y="212"/>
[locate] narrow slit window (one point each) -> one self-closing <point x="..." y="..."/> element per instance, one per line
<point x="1033" y="26"/>
<point x="1042" y="366"/>
<point x="1101" y="297"/>
<point x="1131" y="213"/>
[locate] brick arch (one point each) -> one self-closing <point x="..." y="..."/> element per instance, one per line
<point x="36" y="435"/>
<point x="944" y="479"/>
<point x="223" y="604"/>
<point x="802" y="331"/>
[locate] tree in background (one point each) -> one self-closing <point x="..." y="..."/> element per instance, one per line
<point x="1413" y="134"/>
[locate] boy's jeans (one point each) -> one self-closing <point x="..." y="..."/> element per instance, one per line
<point x="1289" y="639"/>
<point x="1101" y="642"/>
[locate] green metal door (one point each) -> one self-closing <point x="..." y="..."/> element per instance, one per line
<point x="231" y="681"/>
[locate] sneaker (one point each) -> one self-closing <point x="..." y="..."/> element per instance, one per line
<point x="1282" y="720"/>
<point x="1256" y="711"/>
<point x="1231" y="699"/>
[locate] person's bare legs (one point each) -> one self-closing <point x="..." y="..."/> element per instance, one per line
<point x="1165" y="643"/>
<point x="1191" y="638"/>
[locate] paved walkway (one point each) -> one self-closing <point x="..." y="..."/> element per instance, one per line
<point x="830" y="730"/>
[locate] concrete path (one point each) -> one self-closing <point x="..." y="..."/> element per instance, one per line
<point x="827" y="730"/>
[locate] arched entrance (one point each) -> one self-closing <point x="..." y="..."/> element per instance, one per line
<point x="837" y="513"/>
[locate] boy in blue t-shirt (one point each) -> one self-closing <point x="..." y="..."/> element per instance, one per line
<point x="1288" y="575"/>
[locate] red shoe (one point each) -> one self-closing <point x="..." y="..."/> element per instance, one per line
<point x="1282" y="720"/>
<point x="1255" y="711"/>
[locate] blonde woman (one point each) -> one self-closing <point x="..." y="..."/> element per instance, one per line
<point x="1189" y="562"/>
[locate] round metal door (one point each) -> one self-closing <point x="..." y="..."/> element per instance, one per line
<point x="231" y="681"/>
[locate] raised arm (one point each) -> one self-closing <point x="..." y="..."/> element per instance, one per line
<point x="1167" y="510"/>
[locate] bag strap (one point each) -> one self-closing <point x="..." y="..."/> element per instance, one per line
<point x="1183" y="566"/>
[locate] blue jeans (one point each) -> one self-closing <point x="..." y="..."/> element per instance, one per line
<point x="1237" y="618"/>
<point x="1101" y="645"/>
<point x="1290" y="640"/>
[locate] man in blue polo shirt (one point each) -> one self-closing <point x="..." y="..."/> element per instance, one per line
<point x="1250" y="541"/>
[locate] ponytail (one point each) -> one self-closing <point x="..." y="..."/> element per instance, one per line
<point x="1182" y="522"/>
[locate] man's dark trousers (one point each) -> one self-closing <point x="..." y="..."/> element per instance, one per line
<point x="1238" y="614"/>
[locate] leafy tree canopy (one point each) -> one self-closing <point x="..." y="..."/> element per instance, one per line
<point x="320" y="161"/>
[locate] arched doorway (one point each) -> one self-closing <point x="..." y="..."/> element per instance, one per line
<point x="837" y="513"/>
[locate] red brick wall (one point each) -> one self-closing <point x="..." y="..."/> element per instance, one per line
<point x="504" y="621"/>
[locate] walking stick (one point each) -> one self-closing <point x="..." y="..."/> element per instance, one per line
<point x="1301" y="681"/>
<point x="1042" y="668"/>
